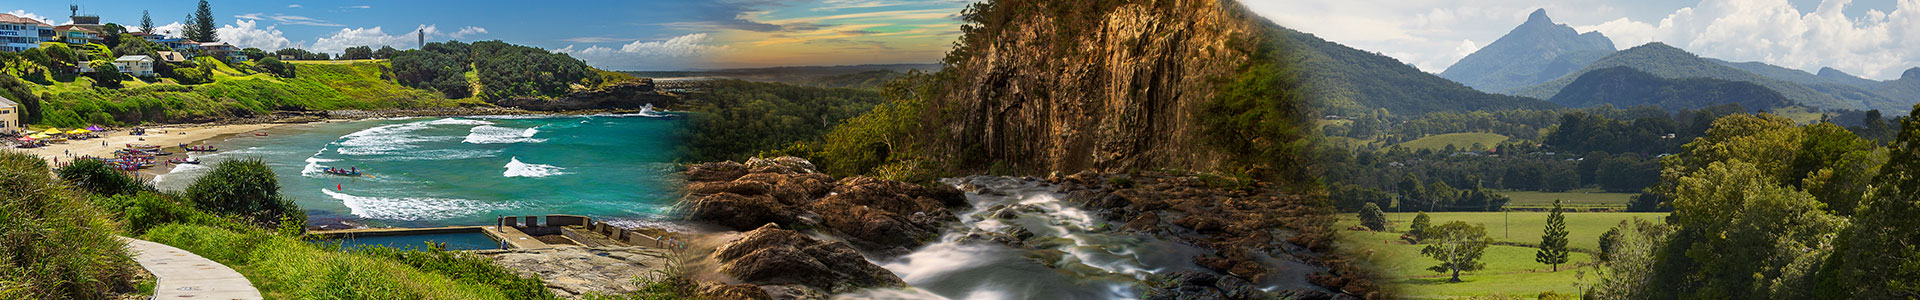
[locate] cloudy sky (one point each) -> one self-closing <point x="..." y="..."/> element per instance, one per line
<point x="612" y="34"/>
<point x="1876" y="39"/>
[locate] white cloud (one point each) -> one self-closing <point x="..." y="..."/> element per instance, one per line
<point x="24" y="14"/>
<point x="247" y="34"/>
<point x="286" y="19"/>
<point x="293" y="6"/>
<point x="1877" y="45"/>
<point x="469" y="30"/>
<point x="174" y="29"/>
<point x="371" y="37"/>
<point x="676" y="53"/>
<point x="361" y="6"/>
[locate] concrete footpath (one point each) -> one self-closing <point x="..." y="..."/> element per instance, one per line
<point x="181" y="274"/>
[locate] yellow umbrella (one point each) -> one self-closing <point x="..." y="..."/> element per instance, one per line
<point x="79" y="131"/>
<point x="55" y="130"/>
<point x="41" y="135"/>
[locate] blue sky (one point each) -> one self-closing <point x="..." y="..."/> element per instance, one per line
<point x="621" y="35"/>
<point x="1876" y="39"/>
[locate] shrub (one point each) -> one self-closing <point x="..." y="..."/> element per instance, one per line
<point x="98" y="178"/>
<point x="465" y="267"/>
<point x="1372" y="217"/>
<point x="245" y="188"/>
<point x="286" y="267"/>
<point x="53" y="244"/>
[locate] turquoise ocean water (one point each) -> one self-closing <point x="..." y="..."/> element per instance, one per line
<point x="443" y="171"/>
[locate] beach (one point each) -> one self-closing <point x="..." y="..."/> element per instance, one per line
<point x="165" y="136"/>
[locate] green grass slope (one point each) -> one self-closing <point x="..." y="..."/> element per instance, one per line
<point x="1462" y="141"/>
<point x="234" y="93"/>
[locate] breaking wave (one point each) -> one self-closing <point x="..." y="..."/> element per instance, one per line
<point x="412" y="208"/>
<point x="488" y="134"/>
<point x="515" y="168"/>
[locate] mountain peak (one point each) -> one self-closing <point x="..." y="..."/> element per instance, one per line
<point x="1913" y="73"/>
<point x="1830" y="71"/>
<point x="1539" y="16"/>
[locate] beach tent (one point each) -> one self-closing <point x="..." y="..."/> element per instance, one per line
<point x="55" y="130"/>
<point x="94" y="128"/>
<point x="41" y="135"/>
<point x="79" y="131"/>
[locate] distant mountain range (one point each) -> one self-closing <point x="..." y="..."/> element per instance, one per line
<point x="1536" y="52"/>
<point x="1627" y="87"/>
<point x="1345" y="81"/>
<point x="1539" y="59"/>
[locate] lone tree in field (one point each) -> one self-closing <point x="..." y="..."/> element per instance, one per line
<point x="1457" y="246"/>
<point x="1553" y="242"/>
<point x="1373" y="218"/>
<point x="1420" y="225"/>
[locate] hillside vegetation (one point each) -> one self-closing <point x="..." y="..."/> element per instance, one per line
<point x="1626" y="87"/>
<point x="1666" y="61"/>
<point x="1345" y="81"/>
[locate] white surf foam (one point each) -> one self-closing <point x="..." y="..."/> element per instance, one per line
<point x="385" y="139"/>
<point x="457" y="121"/>
<point x="412" y="209"/>
<point x="488" y="134"/>
<point x="515" y="168"/>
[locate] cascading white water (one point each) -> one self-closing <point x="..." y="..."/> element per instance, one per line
<point x="1022" y="240"/>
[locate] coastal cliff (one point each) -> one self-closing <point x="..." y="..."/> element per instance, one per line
<point x="1045" y="86"/>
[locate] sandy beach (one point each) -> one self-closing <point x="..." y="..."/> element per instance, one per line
<point x="166" y="136"/>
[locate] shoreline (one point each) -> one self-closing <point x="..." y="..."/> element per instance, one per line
<point x="170" y="136"/>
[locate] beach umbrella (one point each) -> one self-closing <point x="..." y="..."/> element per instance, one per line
<point x="79" y="131"/>
<point x="26" y="139"/>
<point x="41" y="135"/>
<point x="55" y="130"/>
<point x="94" y="128"/>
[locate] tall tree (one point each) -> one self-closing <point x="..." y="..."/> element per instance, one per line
<point x="1553" y="242"/>
<point x="146" y="22"/>
<point x="1877" y="257"/>
<point x="200" y="28"/>
<point x="1458" y="247"/>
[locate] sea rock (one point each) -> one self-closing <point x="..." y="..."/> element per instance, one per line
<point x="716" y="171"/>
<point x="794" y="292"/>
<point x="882" y="214"/>
<point x="773" y="256"/>
<point x="738" y="187"/>
<point x="783" y="164"/>
<point x="794" y="189"/>
<point x="714" y="290"/>
<point x="740" y="212"/>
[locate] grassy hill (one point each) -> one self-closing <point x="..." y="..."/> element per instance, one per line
<point x="1461" y="141"/>
<point x="71" y="101"/>
<point x="1666" y="61"/>
<point x="1343" y="80"/>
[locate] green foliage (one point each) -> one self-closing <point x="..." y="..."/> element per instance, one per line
<point x="200" y="25"/>
<point x="98" y="178"/>
<point x="1739" y="234"/>
<point x="508" y="71"/>
<point x="359" y="52"/>
<point x="734" y="120"/>
<point x="53" y="244"/>
<point x="1553" y="240"/>
<point x="273" y="65"/>
<point x="1458" y="246"/>
<point x="147" y="210"/>
<point x="1256" y="117"/>
<point x="245" y="188"/>
<point x="1419" y="227"/>
<point x="464" y="268"/>
<point x="20" y="91"/>
<point x="1373" y="218"/>
<point x="433" y="70"/>
<point x="885" y="137"/>
<point x="1609" y="242"/>
<point x="106" y="75"/>
<point x="1348" y="81"/>
<point x="1877" y="256"/>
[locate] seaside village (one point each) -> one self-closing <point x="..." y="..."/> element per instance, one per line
<point x="85" y="36"/>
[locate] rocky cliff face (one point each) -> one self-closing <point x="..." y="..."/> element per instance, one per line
<point x="1043" y="86"/>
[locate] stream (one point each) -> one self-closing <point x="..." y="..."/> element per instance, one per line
<point x="1023" y="240"/>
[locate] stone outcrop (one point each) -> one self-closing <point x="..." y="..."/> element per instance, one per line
<point x="884" y="216"/>
<point x="1113" y="90"/>
<point x="573" y="271"/>
<point x="770" y="256"/>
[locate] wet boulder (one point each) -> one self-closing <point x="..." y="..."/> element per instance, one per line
<point x="716" y="171"/>
<point x="773" y="256"/>
<point x="740" y="212"/>
<point x="740" y="187"/>
<point x="794" y="189"/>
<point x="882" y="214"/>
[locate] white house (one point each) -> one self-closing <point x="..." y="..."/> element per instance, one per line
<point x="19" y="34"/>
<point x="9" y="116"/>
<point x="136" y="65"/>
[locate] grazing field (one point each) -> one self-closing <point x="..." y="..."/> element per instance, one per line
<point x="1581" y="198"/>
<point x="1462" y="141"/>
<point x="1510" y="270"/>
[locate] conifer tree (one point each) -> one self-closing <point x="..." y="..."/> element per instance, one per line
<point x="1553" y="242"/>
